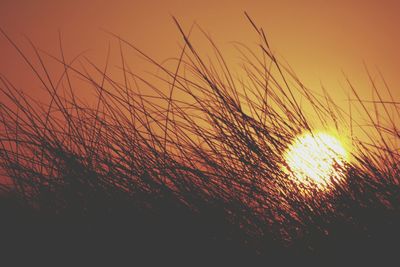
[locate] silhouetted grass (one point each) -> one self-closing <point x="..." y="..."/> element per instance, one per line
<point x="186" y="166"/>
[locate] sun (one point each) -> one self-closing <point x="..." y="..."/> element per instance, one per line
<point x="316" y="160"/>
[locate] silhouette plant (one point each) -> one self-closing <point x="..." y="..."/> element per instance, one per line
<point x="192" y="155"/>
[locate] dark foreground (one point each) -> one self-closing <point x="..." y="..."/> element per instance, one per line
<point x="118" y="234"/>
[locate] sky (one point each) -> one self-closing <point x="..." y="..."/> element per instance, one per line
<point x="321" y="40"/>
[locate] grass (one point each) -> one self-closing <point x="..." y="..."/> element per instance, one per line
<point x="186" y="164"/>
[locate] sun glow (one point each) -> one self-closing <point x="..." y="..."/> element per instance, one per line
<point x="316" y="161"/>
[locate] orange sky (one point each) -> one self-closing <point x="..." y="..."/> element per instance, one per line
<point x="318" y="39"/>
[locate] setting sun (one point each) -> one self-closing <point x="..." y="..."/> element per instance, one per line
<point x="315" y="160"/>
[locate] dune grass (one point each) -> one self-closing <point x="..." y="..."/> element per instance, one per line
<point x="194" y="153"/>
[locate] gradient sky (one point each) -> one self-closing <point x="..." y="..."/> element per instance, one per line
<point x="319" y="39"/>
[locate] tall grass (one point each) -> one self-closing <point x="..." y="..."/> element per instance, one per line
<point x="196" y="141"/>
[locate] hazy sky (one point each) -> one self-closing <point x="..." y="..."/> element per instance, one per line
<point x="319" y="39"/>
